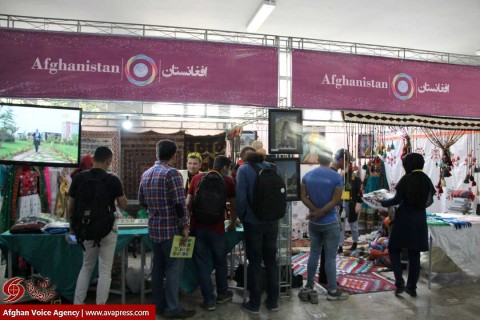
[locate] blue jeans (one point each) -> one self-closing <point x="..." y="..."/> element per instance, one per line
<point x="326" y="235"/>
<point x="261" y="244"/>
<point x="353" y="225"/>
<point x="211" y="244"/>
<point x="165" y="294"/>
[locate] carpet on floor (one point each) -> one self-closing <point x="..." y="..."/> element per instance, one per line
<point x="353" y="275"/>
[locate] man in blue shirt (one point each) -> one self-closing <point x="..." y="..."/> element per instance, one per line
<point x="321" y="192"/>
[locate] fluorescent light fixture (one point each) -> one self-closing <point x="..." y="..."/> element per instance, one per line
<point x="266" y="7"/>
<point x="127" y="124"/>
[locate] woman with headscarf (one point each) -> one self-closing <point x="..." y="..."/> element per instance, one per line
<point x="409" y="229"/>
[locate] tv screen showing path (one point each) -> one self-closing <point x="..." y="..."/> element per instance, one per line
<point x="40" y="135"/>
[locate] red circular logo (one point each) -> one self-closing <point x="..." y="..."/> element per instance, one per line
<point x="13" y="289"/>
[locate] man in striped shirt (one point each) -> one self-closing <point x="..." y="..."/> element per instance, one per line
<point x="162" y="192"/>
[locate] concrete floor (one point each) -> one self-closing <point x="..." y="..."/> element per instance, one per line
<point x="449" y="298"/>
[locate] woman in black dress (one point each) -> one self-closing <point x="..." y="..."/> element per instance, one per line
<point x="414" y="194"/>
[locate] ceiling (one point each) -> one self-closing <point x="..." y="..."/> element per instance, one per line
<point x="435" y="25"/>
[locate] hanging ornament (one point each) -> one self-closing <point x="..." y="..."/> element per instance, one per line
<point x="440" y="190"/>
<point x="466" y="180"/>
<point x="442" y="182"/>
<point x="392" y="147"/>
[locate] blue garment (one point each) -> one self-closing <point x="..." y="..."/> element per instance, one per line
<point x="261" y="244"/>
<point x="165" y="293"/>
<point x="346" y="205"/>
<point x="209" y="243"/>
<point x="326" y="235"/>
<point x="246" y="175"/>
<point x="321" y="183"/>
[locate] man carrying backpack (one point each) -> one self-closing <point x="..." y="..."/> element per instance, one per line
<point x="260" y="231"/>
<point x="104" y="247"/>
<point x="206" y="200"/>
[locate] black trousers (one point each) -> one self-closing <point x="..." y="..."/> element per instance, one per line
<point x="413" y="267"/>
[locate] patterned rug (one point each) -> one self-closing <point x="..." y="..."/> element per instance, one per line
<point x="93" y="139"/>
<point x="208" y="146"/>
<point x="355" y="283"/>
<point x="345" y="265"/>
<point x="353" y="275"/>
<point x="138" y="154"/>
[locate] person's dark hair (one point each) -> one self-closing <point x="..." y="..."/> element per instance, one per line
<point x="102" y="154"/>
<point x="221" y="161"/>
<point x="245" y="149"/>
<point x="166" y="149"/>
<point x="413" y="161"/>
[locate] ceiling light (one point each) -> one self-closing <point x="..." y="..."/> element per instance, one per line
<point x="477" y="52"/>
<point x="127" y="124"/>
<point x="266" y="7"/>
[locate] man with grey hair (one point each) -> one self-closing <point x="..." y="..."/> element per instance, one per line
<point x="321" y="192"/>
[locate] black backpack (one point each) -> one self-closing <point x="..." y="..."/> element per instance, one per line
<point x="269" y="194"/>
<point x="210" y="199"/>
<point x="92" y="218"/>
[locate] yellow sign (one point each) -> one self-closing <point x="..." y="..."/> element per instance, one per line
<point x="182" y="251"/>
<point x="345" y="195"/>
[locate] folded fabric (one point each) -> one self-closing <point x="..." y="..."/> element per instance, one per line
<point x="465" y="194"/>
<point x="27" y="227"/>
<point x="56" y="227"/>
<point x="433" y="219"/>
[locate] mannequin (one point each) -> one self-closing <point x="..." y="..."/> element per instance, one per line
<point x="375" y="179"/>
<point x="29" y="199"/>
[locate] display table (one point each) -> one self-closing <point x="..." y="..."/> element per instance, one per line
<point x="459" y="244"/>
<point x="54" y="258"/>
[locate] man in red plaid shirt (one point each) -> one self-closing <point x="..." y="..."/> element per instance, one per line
<point x="162" y="192"/>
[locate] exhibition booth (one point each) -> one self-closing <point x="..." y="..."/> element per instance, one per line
<point x="293" y="96"/>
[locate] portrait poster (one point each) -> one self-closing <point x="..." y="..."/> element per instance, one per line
<point x="312" y="143"/>
<point x="285" y="129"/>
<point x="365" y="145"/>
<point x="246" y="138"/>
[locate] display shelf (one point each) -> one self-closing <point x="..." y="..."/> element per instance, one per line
<point x="284" y="253"/>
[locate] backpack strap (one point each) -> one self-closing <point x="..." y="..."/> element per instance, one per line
<point x="204" y="175"/>
<point x="255" y="167"/>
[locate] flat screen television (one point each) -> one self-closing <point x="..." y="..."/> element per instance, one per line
<point x="36" y="135"/>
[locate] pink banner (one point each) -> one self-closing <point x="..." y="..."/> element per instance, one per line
<point x="351" y="82"/>
<point x="80" y="66"/>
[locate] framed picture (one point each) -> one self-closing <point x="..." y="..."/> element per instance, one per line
<point x="365" y="145"/>
<point x="285" y="129"/>
<point x="289" y="170"/>
<point x="312" y="144"/>
<point x="247" y="138"/>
